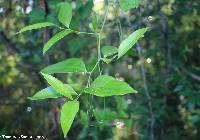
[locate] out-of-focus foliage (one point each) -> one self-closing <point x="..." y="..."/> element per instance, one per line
<point x="170" y="54"/>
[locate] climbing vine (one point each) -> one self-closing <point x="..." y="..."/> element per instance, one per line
<point x="102" y="85"/>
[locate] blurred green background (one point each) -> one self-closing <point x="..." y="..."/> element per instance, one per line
<point x="165" y="65"/>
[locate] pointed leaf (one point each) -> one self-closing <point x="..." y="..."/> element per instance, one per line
<point x="107" y="117"/>
<point x="70" y="89"/>
<point x="108" y="60"/>
<point x="56" y="38"/>
<point x="48" y="92"/>
<point x="108" y="86"/>
<point x="108" y="51"/>
<point x="36" y="26"/>
<point x="68" y="113"/>
<point x="94" y="23"/>
<point x="130" y="41"/>
<point x="59" y="86"/>
<point x="84" y="118"/>
<point x="65" y="13"/>
<point x="66" y="66"/>
<point x="128" y="4"/>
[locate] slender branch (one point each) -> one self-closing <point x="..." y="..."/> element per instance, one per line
<point x="120" y="30"/>
<point x="89" y="77"/>
<point x="147" y="94"/>
<point x="99" y="39"/>
<point x="104" y="21"/>
<point x="146" y="89"/>
<point x="167" y="54"/>
<point x="99" y="50"/>
<point x="192" y="75"/>
<point x="164" y="31"/>
<point x="87" y="33"/>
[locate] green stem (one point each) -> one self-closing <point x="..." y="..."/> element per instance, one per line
<point x="98" y="37"/>
<point x="89" y="77"/>
<point x="87" y="33"/>
<point x="99" y="50"/>
<point x="88" y="82"/>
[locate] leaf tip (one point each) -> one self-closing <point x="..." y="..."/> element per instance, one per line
<point x="44" y="51"/>
<point x="17" y="33"/>
<point x="30" y="98"/>
<point x="67" y="25"/>
<point x="64" y="134"/>
<point x="135" y="91"/>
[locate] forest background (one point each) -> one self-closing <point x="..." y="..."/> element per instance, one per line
<point x="164" y="67"/>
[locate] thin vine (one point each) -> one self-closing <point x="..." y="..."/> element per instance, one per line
<point x="101" y="86"/>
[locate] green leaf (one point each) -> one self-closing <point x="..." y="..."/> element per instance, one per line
<point x="68" y="113"/>
<point x="66" y="66"/>
<point x="128" y="4"/>
<point x="130" y="41"/>
<point x="108" y="86"/>
<point x="59" y="86"/>
<point x="65" y="13"/>
<point x="121" y="103"/>
<point x="108" y="60"/>
<point x="94" y="23"/>
<point x="56" y="38"/>
<point x="108" y="51"/>
<point x="48" y="92"/>
<point x="84" y="118"/>
<point x="105" y="115"/>
<point x="36" y="26"/>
